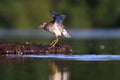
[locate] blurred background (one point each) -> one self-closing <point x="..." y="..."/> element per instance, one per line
<point x="93" y="24"/>
<point x="80" y="13"/>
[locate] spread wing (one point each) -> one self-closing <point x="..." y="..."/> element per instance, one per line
<point x="57" y="17"/>
<point x="60" y="18"/>
<point x="52" y="13"/>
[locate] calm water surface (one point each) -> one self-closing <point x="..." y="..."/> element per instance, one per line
<point x="23" y="68"/>
<point x="85" y="42"/>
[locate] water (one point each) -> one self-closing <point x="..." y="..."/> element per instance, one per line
<point x="95" y="57"/>
<point x="61" y="67"/>
<point x="88" y="57"/>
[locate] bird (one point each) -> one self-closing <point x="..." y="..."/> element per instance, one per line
<point x="56" y="27"/>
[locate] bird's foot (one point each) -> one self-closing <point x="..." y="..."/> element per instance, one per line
<point x="50" y="47"/>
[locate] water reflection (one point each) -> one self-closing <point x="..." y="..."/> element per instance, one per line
<point x="32" y="68"/>
<point x="20" y="68"/>
<point x="58" y="74"/>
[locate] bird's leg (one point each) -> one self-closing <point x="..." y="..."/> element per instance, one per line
<point x="54" y="42"/>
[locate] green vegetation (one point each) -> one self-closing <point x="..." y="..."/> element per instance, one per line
<point x="80" y="13"/>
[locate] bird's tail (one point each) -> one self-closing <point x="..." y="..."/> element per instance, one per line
<point x="66" y="34"/>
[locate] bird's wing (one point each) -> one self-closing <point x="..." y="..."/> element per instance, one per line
<point x="66" y="34"/>
<point x="52" y="13"/>
<point x="60" y="18"/>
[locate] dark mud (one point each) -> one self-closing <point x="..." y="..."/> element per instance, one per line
<point x="33" y="48"/>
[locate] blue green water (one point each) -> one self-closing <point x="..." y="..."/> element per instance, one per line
<point x="84" y="64"/>
<point x="61" y="67"/>
<point x="95" y="57"/>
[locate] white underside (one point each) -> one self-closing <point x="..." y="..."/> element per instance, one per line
<point x="59" y="30"/>
<point x="55" y="30"/>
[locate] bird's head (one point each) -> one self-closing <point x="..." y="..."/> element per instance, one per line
<point x="42" y="25"/>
